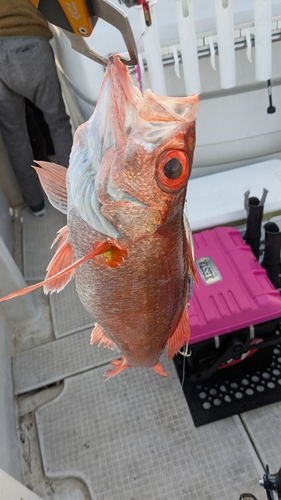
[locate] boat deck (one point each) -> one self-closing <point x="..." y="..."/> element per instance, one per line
<point x="132" y="437"/>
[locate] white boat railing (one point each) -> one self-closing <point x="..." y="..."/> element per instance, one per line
<point x="191" y="47"/>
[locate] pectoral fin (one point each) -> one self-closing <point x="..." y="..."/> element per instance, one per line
<point x="62" y="259"/>
<point x="99" y="249"/>
<point x="53" y="180"/>
<point x="180" y="336"/>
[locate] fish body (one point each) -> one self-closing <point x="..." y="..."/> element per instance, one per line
<point x="139" y="303"/>
<point x="126" y="240"/>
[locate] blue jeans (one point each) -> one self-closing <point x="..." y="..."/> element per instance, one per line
<point x="27" y="69"/>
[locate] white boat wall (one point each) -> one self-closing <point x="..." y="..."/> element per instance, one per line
<point x="237" y="47"/>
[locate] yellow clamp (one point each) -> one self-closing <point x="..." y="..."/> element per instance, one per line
<point x="77" y="15"/>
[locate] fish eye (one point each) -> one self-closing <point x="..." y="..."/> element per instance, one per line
<point x="172" y="170"/>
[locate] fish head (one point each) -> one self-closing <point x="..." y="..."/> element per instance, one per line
<point x="131" y="161"/>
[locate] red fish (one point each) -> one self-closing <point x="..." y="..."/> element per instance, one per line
<point x="126" y="239"/>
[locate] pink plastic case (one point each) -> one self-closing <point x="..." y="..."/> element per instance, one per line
<point x="234" y="291"/>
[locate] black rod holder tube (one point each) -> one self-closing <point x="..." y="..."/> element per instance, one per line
<point x="271" y="260"/>
<point x="254" y="208"/>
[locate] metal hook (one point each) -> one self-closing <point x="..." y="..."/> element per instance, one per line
<point x="62" y="14"/>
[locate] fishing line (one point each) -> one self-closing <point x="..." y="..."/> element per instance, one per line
<point x="183" y="372"/>
<point x="186" y="354"/>
<point x="140" y="37"/>
<point x="138" y="73"/>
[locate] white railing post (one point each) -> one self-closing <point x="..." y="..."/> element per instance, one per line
<point x="188" y="46"/>
<point x="225" y="38"/>
<point x="263" y="46"/>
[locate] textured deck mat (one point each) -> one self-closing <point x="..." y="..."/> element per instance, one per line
<point x="57" y="360"/>
<point x="38" y="235"/>
<point x="223" y="395"/>
<point x="133" y="438"/>
<point x="68" y="314"/>
<point x="264" y="427"/>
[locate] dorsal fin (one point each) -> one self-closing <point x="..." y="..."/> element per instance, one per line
<point x="53" y="180"/>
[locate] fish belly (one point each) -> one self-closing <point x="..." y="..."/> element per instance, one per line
<point x="139" y="303"/>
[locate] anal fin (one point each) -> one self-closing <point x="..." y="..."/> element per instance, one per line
<point x="99" y="336"/>
<point x="180" y="336"/>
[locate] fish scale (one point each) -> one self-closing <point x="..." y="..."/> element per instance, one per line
<point x="139" y="302"/>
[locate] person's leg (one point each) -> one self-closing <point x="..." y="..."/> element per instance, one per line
<point x="16" y="140"/>
<point x="36" y="138"/>
<point x="39" y="82"/>
<point x="44" y="129"/>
